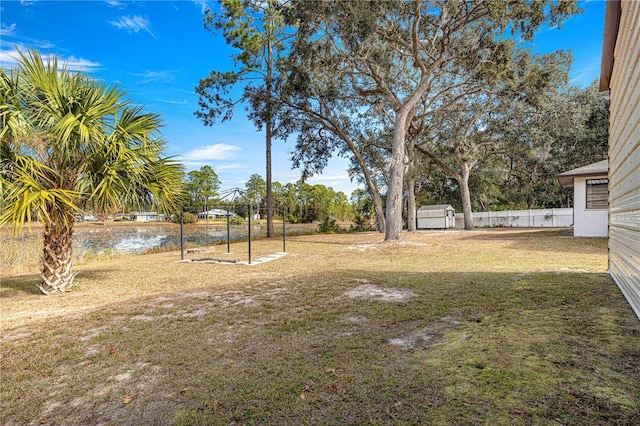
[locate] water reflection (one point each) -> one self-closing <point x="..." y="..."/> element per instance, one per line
<point x="138" y="239"/>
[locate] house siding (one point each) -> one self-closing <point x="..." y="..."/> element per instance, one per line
<point x="624" y="157"/>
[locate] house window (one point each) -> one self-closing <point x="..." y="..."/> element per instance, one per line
<point x="597" y="193"/>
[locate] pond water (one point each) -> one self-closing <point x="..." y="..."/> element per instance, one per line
<point x="138" y="239"/>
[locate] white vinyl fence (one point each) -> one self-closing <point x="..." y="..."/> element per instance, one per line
<point x="521" y="218"/>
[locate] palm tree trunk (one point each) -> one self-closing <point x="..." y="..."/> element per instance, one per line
<point x="57" y="275"/>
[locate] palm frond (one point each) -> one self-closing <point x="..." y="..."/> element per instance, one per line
<point x="86" y="144"/>
<point x="28" y="191"/>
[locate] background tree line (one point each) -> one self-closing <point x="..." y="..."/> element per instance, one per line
<point x="429" y="99"/>
<point x="302" y="202"/>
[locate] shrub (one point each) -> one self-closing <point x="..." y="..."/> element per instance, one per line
<point x="236" y="220"/>
<point x="361" y="223"/>
<point x="328" y="225"/>
<point x="189" y="218"/>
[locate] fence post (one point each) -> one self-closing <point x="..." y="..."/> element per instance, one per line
<point x="284" y="230"/>
<point x="181" y="232"/>
<point x="249" y="234"/>
<point x="228" y="232"/>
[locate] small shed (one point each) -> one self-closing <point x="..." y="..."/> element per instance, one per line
<point x="439" y="216"/>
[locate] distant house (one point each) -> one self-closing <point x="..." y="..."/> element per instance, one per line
<point x="590" y="198"/>
<point x="620" y="73"/>
<point x="215" y="214"/>
<point x="147" y="217"/>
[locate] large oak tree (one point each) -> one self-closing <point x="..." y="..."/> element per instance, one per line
<point x="395" y="53"/>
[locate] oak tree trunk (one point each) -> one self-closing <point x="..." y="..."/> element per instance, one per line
<point x="411" y="189"/>
<point x="393" y="229"/>
<point x="463" y="181"/>
<point x="378" y="210"/>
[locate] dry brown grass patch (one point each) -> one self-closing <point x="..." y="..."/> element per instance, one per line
<point x="490" y="326"/>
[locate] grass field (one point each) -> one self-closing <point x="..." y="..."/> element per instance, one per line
<point x="483" y="327"/>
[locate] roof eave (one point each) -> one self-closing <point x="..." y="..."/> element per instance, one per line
<point x="611" y="25"/>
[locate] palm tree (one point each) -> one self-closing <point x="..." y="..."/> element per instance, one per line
<point x="68" y="141"/>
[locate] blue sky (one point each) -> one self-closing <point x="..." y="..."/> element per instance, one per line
<point x="158" y="50"/>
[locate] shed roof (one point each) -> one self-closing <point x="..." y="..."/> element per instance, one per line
<point x="435" y="207"/>
<point x="593" y="169"/>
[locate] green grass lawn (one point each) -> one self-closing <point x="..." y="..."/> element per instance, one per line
<point x="484" y="327"/>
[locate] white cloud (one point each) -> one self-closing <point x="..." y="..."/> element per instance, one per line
<point x="115" y="3"/>
<point x="202" y="3"/>
<point x="578" y="78"/>
<point x="230" y="166"/>
<point x="583" y="76"/>
<point x="323" y="178"/>
<point x="133" y="24"/>
<point x="162" y="76"/>
<point x="219" y="151"/>
<point x="174" y="102"/>
<point x="9" y="59"/>
<point x="5" y="31"/>
<point x="79" y="64"/>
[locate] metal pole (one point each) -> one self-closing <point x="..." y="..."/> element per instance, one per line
<point x="249" y="234"/>
<point x="284" y="230"/>
<point x="228" y="233"/>
<point x="181" y="232"/>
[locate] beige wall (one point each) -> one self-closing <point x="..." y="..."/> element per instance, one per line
<point x="624" y="157"/>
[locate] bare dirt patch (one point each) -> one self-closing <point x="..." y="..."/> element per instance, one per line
<point x="353" y="319"/>
<point x="428" y="336"/>
<point x="93" y="332"/>
<point x="365" y="247"/>
<point x="413" y="244"/>
<point x="418" y="339"/>
<point x="581" y="270"/>
<point x="372" y="291"/>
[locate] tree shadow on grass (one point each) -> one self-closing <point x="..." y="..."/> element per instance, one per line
<point x="364" y="343"/>
<point x="499" y="233"/>
<point x="328" y="242"/>
<point x="24" y="285"/>
<point x="19" y="286"/>
<point x="551" y="240"/>
<point x="321" y="238"/>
